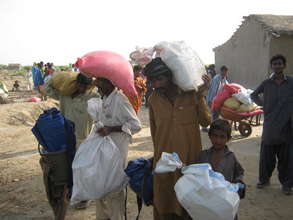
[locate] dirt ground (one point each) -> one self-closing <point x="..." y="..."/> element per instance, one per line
<point x="22" y="194"/>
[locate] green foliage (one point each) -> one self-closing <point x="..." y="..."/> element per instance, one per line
<point x="26" y="68"/>
<point x="3" y="67"/>
<point x="62" y="67"/>
<point x="16" y="73"/>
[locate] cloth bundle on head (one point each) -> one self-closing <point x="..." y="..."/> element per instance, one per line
<point x="82" y="79"/>
<point x="186" y="66"/>
<point x="155" y="68"/>
<point x="64" y="82"/>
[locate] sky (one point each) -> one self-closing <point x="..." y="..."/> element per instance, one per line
<point x="60" y="31"/>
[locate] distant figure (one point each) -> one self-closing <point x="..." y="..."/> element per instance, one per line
<point x="38" y="79"/>
<point x="74" y="68"/>
<point x="218" y="81"/>
<point x="3" y="87"/>
<point x="140" y="86"/>
<point x="211" y="70"/>
<point x="29" y="78"/>
<point x="49" y="71"/>
<point x="15" y="86"/>
<point x="3" y="94"/>
<point x="148" y="93"/>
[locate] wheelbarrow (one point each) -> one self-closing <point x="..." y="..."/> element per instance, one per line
<point x="242" y="121"/>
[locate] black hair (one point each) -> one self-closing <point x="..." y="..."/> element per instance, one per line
<point x="104" y="80"/>
<point x="82" y="79"/>
<point x="278" y="57"/>
<point x="222" y="125"/>
<point x="137" y="68"/>
<point x="155" y="68"/>
<point x="224" y="68"/>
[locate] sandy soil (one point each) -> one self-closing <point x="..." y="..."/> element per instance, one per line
<point x="22" y="194"/>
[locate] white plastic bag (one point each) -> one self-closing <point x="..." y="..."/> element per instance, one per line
<point x="244" y="96"/>
<point x="2" y="91"/>
<point x="186" y="66"/>
<point x="206" y="195"/>
<point x="168" y="163"/>
<point x="141" y="56"/>
<point x="97" y="169"/>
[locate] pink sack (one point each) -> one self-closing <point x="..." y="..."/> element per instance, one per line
<point x="34" y="99"/>
<point x="226" y="92"/>
<point x="111" y="66"/>
<point x="244" y="114"/>
<point x="233" y="88"/>
<point x="220" y="98"/>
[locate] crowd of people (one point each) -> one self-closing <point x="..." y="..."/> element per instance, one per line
<point x="40" y="73"/>
<point x="175" y="119"/>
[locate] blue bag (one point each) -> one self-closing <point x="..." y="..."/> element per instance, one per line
<point x="140" y="176"/>
<point x="50" y="130"/>
<point x="56" y="133"/>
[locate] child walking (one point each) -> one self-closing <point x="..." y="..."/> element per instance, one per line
<point x="220" y="157"/>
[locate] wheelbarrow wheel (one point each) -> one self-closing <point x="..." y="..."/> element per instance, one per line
<point x="245" y="129"/>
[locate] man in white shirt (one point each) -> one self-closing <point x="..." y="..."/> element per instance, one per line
<point x="120" y="123"/>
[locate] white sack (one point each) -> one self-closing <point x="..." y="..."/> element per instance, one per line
<point x="244" y="96"/>
<point x="186" y="66"/>
<point x="168" y="163"/>
<point x="141" y="56"/>
<point x="97" y="169"/>
<point x="206" y="195"/>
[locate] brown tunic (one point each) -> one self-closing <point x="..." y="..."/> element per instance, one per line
<point x="175" y="128"/>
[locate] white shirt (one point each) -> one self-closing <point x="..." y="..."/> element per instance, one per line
<point x="116" y="110"/>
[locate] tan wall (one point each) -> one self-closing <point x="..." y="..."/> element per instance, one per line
<point x="246" y="55"/>
<point x="283" y="45"/>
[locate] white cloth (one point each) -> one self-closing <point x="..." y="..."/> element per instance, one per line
<point x="111" y="207"/>
<point x="116" y="110"/>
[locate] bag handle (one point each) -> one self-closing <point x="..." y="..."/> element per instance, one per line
<point x="39" y="149"/>
<point x="139" y="206"/>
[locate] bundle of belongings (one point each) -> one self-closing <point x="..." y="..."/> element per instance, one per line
<point x="234" y="97"/>
<point x="109" y="65"/>
<point x="140" y="176"/>
<point x="186" y="66"/>
<point x="56" y="137"/>
<point x="65" y="82"/>
<point x="203" y="193"/>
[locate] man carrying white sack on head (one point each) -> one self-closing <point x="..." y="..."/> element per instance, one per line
<point x="175" y="116"/>
<point x="120" y="123"/>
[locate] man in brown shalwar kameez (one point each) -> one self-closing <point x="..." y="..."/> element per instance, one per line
<point x="174" y="120"/>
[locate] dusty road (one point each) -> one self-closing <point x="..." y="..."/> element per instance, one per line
<point x="22" y="193"/>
